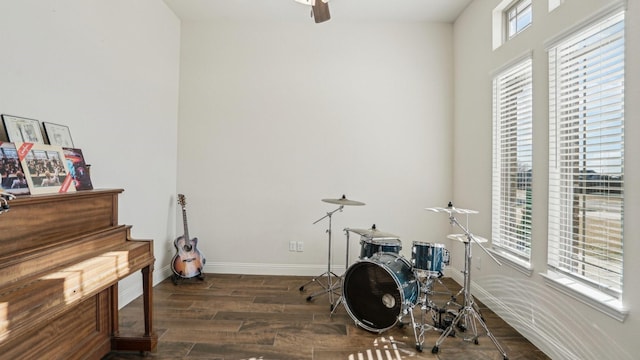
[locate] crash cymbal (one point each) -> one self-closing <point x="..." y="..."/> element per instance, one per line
<point x="451" y="210"/>
<point x="343" y="201"/>
<point x="373" y="233"/>
<point x="463" y="238"/>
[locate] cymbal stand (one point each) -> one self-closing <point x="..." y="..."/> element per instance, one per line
<point x="346" y="266"/>
<point x="469" y="313"/>
<point x="331" y="286"/>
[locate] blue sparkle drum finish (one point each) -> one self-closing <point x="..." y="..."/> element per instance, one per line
<point x="369" y="247"/>
<point x="429" y="257"/>
<point x="378" y="291"/>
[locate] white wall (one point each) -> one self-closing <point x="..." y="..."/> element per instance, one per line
<point x="561" y="326"/>
<point x="109" y="71"/>
<point x="275" y="117"/>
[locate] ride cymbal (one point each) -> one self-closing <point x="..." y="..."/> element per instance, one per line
<point x="463" y="238"/>
<point x="343" y="201"/>
<point x="452" y="210"/>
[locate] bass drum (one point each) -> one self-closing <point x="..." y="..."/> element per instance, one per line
<point x="378" y="291"/>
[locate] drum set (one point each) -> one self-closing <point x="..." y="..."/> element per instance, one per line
<point x="383" y="287"/>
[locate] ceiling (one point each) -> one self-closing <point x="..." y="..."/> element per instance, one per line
<point x="341" y="10"/>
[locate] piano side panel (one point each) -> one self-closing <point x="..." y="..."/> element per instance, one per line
<point x="80" y="333"/>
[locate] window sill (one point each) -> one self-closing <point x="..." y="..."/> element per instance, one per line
<point x="513" y="261"/>
<point x="602" y="302"/>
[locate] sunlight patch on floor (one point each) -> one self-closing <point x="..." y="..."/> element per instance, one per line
<point x="384" y="349"/>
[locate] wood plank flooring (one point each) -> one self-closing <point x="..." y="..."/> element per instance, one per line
<point x="267" y="317"/>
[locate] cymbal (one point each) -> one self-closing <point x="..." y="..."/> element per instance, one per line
<point x="452" y="210"/>
<point x="463" y="238"/>
<point x="373" y="233"/>
<point x="343" y="201"/>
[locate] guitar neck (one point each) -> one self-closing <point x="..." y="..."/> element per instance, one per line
<point x="184" y="221"/>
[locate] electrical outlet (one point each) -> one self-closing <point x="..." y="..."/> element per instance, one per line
<point x="292" y="245"/>
<point x="300" y="246"/>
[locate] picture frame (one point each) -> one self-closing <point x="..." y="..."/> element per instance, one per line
<point x="78" y="169"/>
<point x="13" y="180"/>
<point x="57" y="134"/>
<point x="21" y="129"/>
<point x="45" y="168"/>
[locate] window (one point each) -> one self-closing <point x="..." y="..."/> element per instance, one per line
<point x="586" y="156"/>
<point x="512" y="160"/>
<point x="508" y="19"/>
<point x="518" y="17"/>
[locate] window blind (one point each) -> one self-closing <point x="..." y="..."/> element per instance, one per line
<point x="586" y="149"/>
<point x="512" y="159"/>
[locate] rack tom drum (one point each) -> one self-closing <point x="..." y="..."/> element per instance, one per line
<point x="369" y="247"/>
<point x="429" y="257"/>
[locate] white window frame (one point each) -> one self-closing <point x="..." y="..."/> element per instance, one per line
<point x="513" y="163"/>
<point x="585" y="218"/>
<point x="513" y="14"/>
<point x="500" y="22"/>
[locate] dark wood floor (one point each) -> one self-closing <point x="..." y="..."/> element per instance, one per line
<point x="268" y="317"/>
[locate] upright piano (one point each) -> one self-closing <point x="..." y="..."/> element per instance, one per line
<point x="61" y="257"/>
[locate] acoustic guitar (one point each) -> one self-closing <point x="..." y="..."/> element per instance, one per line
<point x="188" y="261"/>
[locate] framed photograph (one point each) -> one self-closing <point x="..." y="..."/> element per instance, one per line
<point x="22" y="129"/>
<point x="58" y="134"/>
<point x="45" y="168"/>
<point x="13" y="177"/>
<point x="78" y="169"/>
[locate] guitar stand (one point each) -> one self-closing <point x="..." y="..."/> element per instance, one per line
<point x="176" y="279"/>
<point x="468" y="314"/>
<point x="333" y="281"/>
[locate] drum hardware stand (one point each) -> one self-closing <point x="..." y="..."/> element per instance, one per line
<point x="331" y="286"/>
<point x="346" y="266"/>
<point x="418" y="329"/>
<point x="426" y="306"/>
<point x="468" y="313"/>
<point x="429" y="305"/>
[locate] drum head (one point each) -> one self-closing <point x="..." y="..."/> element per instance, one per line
<point x="372" y="296"/>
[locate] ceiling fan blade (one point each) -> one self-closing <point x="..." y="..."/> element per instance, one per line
<point x="321" y="11"/>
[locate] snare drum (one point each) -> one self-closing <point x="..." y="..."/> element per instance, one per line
<point x="369" y="246"/>
<point x="429" y="257"/>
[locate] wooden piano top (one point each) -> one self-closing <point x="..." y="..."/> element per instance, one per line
<point x="37" y="221"/>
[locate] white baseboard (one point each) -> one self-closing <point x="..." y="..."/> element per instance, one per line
<point x="271" y="269"/>
<point x="129" y="293"/>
